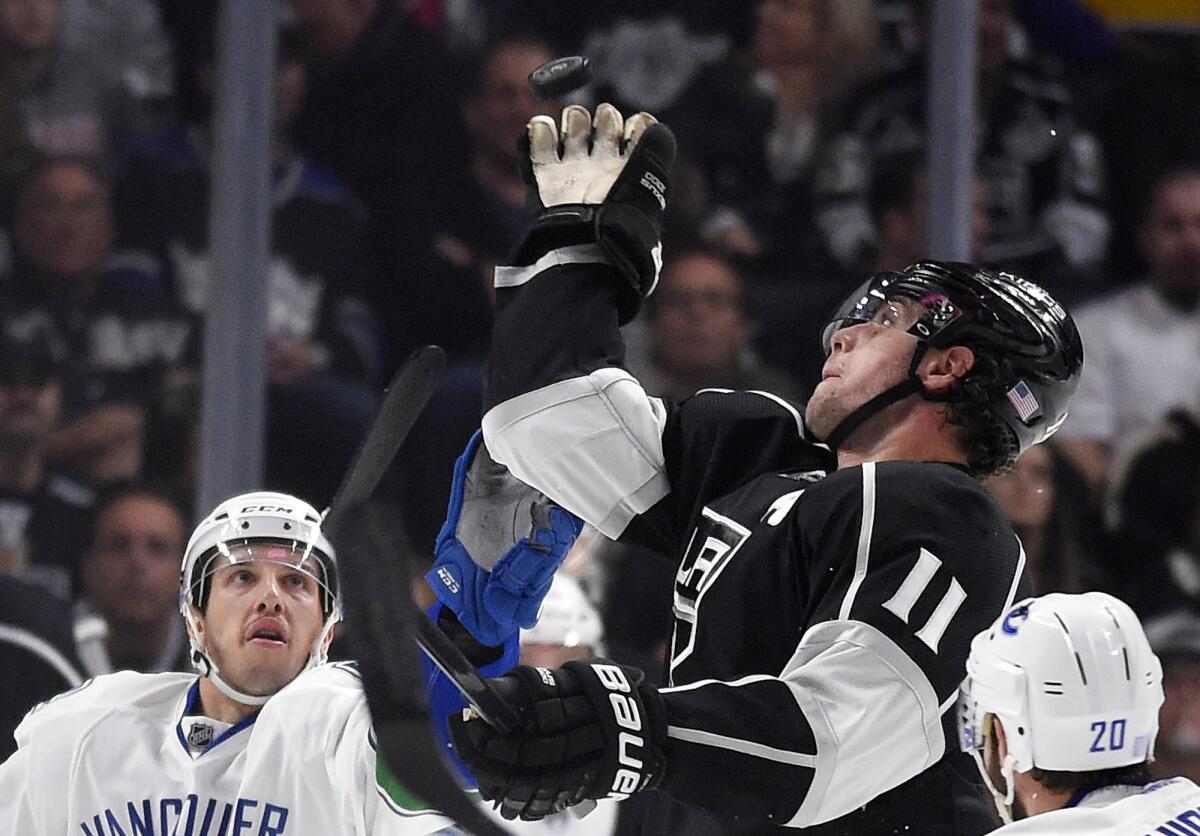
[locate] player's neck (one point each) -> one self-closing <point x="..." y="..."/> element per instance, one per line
<point x="213" y="703"/>
<point x="921" y="435"/>
<point x="1035" y="799"/>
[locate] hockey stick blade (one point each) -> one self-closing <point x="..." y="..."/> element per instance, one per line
<point x="380" y="613"/>
<point x="403" y="401"/>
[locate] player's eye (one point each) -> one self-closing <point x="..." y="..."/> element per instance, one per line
<point x="243" y="576"/>
<point x="296" y="580"/>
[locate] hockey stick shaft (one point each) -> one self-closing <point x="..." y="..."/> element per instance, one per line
<point x="403" y="402"/>
<point x="479" y="693"/>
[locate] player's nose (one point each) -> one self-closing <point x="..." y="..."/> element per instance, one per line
<point x="270" y="596"/>
<point x="843" y="338"/>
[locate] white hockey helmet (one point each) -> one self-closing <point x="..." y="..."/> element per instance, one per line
<point x="567" y="618"/>
<point x="239" y="531"/>
<point x="1073" y="680"/>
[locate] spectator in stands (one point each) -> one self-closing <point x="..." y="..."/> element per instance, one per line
<point x="1153" y="514"/>
<point x="382" y="114"/>
<point x="1053" y="512"/>
<point x="496" y="111"/>
<point x="131" y="36"/>
<point x="698" y="334"/>
<point x="119" y="327"/>
<point x="72" y="101"/>
<point x="494" y="214"/>
<point x="899" y="202"/>
<point x="37" y="653"/>
<point x="128" y="617"/>
<point x="1141" y="342"/>
<point x="1147" y="123"/>
<point x="788" y="88"/>
<point x="1042" y="173"/>
<point x="1175" y="638"/>
<point x="324" y="342"/>
<point x="44" y="514"/>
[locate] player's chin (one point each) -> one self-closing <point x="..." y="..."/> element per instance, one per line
<point x="819" y="413"/>
<point x="266" y="680"/>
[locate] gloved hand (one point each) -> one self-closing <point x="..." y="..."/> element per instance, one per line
<point x="499" y="547"/>
<point x="609" y="185"/>
<point x="445" y="700"/>
<point x="593" y="729"/>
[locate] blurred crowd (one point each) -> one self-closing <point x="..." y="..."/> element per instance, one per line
<point x="395" y="190"/>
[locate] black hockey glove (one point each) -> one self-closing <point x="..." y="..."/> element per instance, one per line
<point x="605" y="181"/>
<point x="593" y="729"/>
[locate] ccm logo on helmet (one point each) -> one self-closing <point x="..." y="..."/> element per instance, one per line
<point x="265" y="509"/>
<point x="630" y="742"/>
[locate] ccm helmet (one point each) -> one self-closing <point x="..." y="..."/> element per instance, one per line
<point x="258" y="526"/>
<point x="1031" y="338"/>
<point x="1072" y="679"/>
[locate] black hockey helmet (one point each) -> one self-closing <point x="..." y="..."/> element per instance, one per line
<point x="1031" y="337"/>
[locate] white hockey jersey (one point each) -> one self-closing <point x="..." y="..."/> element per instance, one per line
<point x="1170" y="807"/>
<point x="113" y="758"/>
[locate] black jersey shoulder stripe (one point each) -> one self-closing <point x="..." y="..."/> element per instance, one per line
<point x="865" y="531"/>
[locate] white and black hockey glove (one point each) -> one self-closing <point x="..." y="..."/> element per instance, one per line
<point x="606" y="181"/>
<point x="592" y="729"/>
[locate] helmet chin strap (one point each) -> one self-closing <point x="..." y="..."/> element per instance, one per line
<point x="1002" y="800"/>
<point x="208" y="668"/>
<point x="884" y="399"/>
<point x="911" y="385"/>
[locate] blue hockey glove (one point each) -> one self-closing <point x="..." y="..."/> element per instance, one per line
<point x="499" y="547"/>
<point x="445" y="700"/>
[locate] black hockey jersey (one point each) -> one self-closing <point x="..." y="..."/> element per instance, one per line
<point x="821" y="620"/>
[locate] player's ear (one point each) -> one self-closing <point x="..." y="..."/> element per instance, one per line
<point x="328" y="640"/>
<point x="1001" y="739"/>
<point x="941" y="367"/>
<point x="195" y="626"/>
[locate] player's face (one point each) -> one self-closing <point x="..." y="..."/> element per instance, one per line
<point x="261" y="622"/>
<point x="864" y="359"/>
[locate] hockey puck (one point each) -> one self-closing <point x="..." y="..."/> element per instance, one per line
<point x="560" y="76"/>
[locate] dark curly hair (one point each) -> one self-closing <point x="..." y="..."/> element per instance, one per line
<point x="1136" y="775"/>
<point x="991" y="446"/>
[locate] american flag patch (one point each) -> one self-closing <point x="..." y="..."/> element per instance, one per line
<point x="1023" y="401"/>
